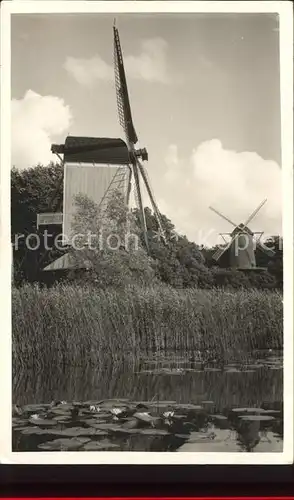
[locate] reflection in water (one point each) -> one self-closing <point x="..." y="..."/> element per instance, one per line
<point x="219" y="427"/>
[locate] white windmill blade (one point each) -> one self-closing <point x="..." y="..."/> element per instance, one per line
<point x="255" y="212"/>
<point x="224" y="217"/>
<point x="221" y="251"/>
<point x="152" y="199"/>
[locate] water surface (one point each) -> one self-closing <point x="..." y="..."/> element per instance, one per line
<point x="192" y="407"/>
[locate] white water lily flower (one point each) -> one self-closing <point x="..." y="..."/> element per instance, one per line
<point x="116" y="411"/>
<point x="94" y="409"/>
<point x="168" y="414"/>
<point x="35" y="416"/>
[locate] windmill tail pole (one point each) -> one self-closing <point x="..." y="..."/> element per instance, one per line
<point x="140" y="203"/>
<point x="152" y="199"/>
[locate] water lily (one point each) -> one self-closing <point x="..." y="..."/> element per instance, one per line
<point x="57" y="403"/>
<point x="94" y="409"/>
<point x="35" y="416"/>
<point x="116" y="411"/>
<point x="168" y="414"/>
<point x="143" y="414"/>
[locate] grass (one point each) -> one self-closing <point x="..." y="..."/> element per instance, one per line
<point x="82" y="325"/>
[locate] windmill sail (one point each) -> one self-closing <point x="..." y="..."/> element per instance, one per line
<point x="123" y="102"/>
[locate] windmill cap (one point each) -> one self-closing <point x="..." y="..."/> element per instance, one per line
<point x="242" y="229"/>
<point x="93" y="150"/>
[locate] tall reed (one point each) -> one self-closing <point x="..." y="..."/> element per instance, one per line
<point x="83" y="325"/>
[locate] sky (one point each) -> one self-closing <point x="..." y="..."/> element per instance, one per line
<point x="204" y="92"/>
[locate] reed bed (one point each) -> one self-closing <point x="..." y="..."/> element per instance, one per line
<point x="74" y="325"/>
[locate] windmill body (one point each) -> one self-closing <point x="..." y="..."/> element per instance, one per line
<point x="96" y="167"/>
<point x="95" y="173"/>
<point x="242" y="252"/>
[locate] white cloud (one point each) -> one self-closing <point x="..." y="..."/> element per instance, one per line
<point x="150" y="65"/>
<point x="86" y="71"/>
<point x="36" y="121"/>
<point x="232" y="182"/>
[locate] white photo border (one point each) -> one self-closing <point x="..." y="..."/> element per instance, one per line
<point x="284" y="10"/>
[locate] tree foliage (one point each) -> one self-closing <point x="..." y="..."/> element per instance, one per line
<point x="109" y="244"/>
<point x="34" y="190"/>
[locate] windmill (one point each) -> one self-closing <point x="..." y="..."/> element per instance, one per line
<point x="97" y="167"/>
<point x="242" y="245"/>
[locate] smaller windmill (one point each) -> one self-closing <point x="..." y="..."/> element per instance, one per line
<point x="242" y="245"/>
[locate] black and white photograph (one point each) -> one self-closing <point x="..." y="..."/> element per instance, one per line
<point x="146" y="246"/>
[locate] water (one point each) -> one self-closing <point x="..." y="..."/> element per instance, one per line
<point x="236" y="408"/>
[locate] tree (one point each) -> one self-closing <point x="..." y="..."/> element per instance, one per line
<point x="32" y="190"/>
<point x="273" y="263"/>
<point x="109" y="244"/>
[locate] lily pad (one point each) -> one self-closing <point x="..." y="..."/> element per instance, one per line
<point x="212" y="369"/>
<point x="82" y="431"/>
<point x="154" y="432"/>
<point x="19" y="421"/>
<point x="248" y="410"/>
<point x="254" y="366"/>
<point x="188" y="406"/>
<point x="60" y="412"/>
<point x="113" y="404"/>
<point x="160" y="402"/>
<point x="258" y="418"/>
<point x="95" y="421"/>
<point x="38" y="431"/>
<point x="35" y="408"/>
<point x="130" y="424"/>
<point x="97" y="416"/>
<point x="109" y="427"/>
<point x="66" y="406"/>
<point x="200" y="437"/>
<point x="270" y="412"/>
<point x="219" y="417"/>
<point x="100" y="446"/>
<point x="62" y="419"/>
<point x="63" y="444"/>
<point x="43" y="422"/>
<point x="123" y="430"/>
<point x="144" y="417"/>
